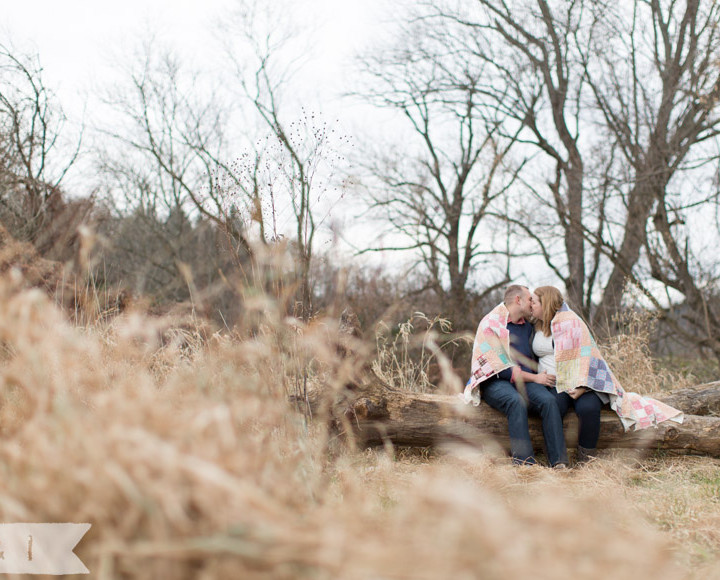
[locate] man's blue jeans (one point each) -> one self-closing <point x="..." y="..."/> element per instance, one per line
<point x="503" y="396"/>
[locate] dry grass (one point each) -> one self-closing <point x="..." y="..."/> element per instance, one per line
<point x="405" y="359"/>
<point x="681" y="497"/>
<point x="180" y="448"/>
<point x="628" y="354"/>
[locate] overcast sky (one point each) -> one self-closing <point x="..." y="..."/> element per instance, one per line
<point x="77" y="40"/>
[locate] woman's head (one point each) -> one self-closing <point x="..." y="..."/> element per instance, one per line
<point x="547" y="300"/>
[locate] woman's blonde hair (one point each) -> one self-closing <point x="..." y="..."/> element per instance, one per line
<point x="551" y="299"/>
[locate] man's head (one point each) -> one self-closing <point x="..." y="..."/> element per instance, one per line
<point x="518" y="301"/>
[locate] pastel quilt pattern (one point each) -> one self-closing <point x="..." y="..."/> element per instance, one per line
<point x="580" y="364"/>
<point x="491" y="351"/>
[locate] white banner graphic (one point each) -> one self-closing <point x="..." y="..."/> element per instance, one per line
<point x="41" y="548"/>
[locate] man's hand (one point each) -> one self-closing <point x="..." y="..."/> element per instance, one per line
<point x="544" y="378"/>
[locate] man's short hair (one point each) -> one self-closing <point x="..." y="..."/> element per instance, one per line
<point x="512" y="291"/>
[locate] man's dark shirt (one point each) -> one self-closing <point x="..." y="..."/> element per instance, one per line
<point x="521" y="337"/>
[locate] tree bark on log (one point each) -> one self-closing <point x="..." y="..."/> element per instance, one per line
<point x="377" y="415"/>
<point x="699" y="400"/>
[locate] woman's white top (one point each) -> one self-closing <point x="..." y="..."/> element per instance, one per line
<point x="543" y="348"/>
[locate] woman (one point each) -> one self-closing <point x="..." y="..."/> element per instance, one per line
<point x="547" y="300"/>
<point x="570" y="359"/>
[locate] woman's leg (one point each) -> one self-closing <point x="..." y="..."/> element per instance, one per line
<point x="564" y="402"/>
<point x="588" y="407"/>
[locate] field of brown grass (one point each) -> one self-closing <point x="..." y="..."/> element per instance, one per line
<point x="179" y="446"/>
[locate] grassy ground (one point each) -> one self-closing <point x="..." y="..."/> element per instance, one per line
<point x="613" y="518"/>
<point x="681" y="497"/>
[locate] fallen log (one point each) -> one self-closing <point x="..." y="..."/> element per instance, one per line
<point x="373" y="413"/>
<point x="699" y="400"/>
<point x="377" y="414"/>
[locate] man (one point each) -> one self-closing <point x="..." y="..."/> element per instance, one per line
<point x="502" y="355"/>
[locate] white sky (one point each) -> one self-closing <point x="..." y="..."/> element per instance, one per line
<point x="77" y="40"/>
<point x="74" y="38"/>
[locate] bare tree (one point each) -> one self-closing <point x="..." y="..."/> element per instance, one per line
<point x="180" y="214"/>
<point x="167" y="146"/>
<point x="660" y="107"/>
<point x="440" y="190"/>
<point x="301" y="154"/>
<point x="36" y="151"/>
<point x="528" y="49"/>
<point x="622" y="99"/>
<point x="222" y="150"/>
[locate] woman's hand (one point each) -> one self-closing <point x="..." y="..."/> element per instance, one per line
<point x="577" y="392"/>
<point x="544" y="378"/>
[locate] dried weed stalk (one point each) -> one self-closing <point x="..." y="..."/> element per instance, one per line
<point x="404" y="357"/>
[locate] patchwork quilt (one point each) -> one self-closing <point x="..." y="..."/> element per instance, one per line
<point x="491" y="351"/>
<point x="580" y="364"/>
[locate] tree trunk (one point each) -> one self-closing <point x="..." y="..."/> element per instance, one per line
<point x="375" y="415"/>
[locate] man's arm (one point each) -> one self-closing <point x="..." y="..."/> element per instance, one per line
<point x="542" y="378"/>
